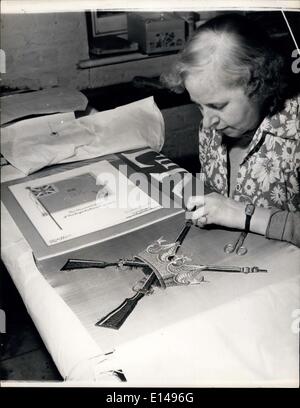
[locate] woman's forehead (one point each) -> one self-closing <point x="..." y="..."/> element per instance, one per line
<point x="210" y="54"/>
<point x="206" y="82"/>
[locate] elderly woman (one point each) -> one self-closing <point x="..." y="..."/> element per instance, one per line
<point x="249" y="139"/>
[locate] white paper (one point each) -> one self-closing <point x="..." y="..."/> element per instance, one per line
<point x="81" y="201"/>
<point x="35" y="143"/>
<point x="31" y="144"/>
<point x="51" y="100"/>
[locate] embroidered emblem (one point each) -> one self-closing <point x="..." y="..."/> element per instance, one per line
<point x="170" y="269"/>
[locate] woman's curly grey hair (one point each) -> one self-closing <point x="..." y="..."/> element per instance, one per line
<point x="243" y="54"/>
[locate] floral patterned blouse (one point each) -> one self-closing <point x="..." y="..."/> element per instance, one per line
<point x="269" y="174"/>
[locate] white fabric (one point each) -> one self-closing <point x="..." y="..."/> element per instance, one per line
<point x="74" y="352"/>
<point x="246" y="342"/>
<point x="35" y="143"/>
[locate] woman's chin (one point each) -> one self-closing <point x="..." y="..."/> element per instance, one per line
<point x="230" y="132"/>
<point x="234" y="133"/>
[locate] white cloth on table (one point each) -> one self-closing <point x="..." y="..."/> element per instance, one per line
<point x="232" y="345"/>
<point x="75" y="353"/>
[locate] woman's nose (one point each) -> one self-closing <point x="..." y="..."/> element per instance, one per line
<point x="210" y="119"/>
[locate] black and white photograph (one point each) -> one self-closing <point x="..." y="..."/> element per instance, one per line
<point x="150" y="203"/>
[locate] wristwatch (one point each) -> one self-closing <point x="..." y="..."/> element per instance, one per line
<point x="249" y="210"/>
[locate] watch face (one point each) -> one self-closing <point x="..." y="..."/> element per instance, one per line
<point x="249" y="210"/>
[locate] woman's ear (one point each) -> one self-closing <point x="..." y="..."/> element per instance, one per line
<point x="253" y="86"/>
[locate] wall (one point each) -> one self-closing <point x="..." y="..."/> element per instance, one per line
<point x="43" y="50"/>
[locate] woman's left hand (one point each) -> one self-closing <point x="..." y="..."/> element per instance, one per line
<point x="216" y="209"/>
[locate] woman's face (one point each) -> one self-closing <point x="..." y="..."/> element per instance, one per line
<point x="228" y="110"/>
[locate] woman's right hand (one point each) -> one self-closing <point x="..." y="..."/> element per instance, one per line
<point x="214" y="208"/>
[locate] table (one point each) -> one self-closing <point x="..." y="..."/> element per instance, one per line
<point x="231" y="330"/>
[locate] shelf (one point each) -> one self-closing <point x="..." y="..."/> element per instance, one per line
<point x="119" y="59"/>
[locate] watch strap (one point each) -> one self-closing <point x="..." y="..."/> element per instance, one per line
<point x="249" y="210"/>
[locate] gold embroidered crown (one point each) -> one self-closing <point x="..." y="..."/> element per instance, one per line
<point x="170" y="269"/>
